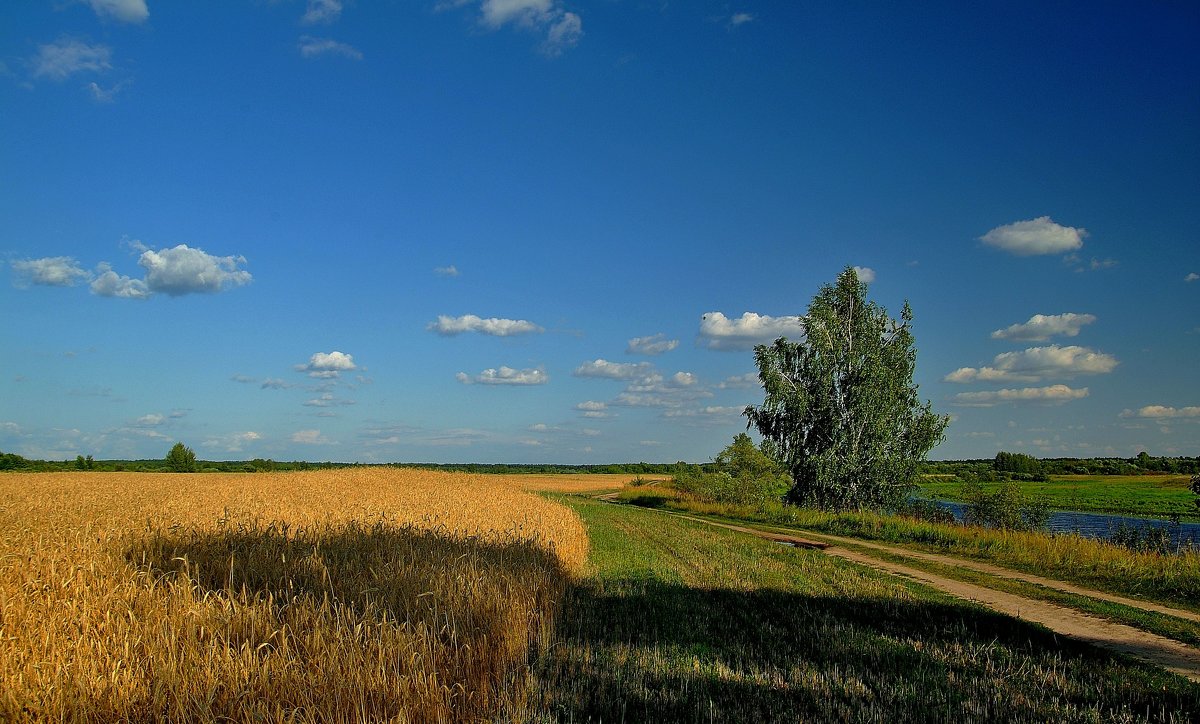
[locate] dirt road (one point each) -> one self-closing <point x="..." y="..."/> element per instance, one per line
<point x="1171" y="655"/>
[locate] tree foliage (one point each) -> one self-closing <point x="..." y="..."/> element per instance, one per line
<point x="742" y="474"/>
<point x="181" y="459"/>
<point x="841" y="410"/>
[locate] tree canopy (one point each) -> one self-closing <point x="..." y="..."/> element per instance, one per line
<point x="841" y="410"/>
<point x="181" y="459"/>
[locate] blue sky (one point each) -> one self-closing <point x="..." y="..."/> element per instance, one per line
<point x="551" y="231"/>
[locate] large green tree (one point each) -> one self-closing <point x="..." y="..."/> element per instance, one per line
<point x="181" y="459"/>
<point x="841" y="409"/>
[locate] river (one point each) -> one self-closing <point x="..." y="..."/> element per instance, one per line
<point x="1103" y="525"/>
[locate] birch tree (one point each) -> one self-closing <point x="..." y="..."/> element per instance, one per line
<point x="841" y="410"/>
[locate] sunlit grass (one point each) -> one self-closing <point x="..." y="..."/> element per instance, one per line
<point x="1173" y="579"/>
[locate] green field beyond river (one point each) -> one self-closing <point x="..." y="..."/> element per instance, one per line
<point x="1140" y="495"/>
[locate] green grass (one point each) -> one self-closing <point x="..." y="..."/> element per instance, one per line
<point x="1171" y="579"/>
<point x="1143" y="495"/>
<point x="678" y="621"/>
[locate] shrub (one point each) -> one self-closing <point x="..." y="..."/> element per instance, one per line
<point x="1007" y="508"/>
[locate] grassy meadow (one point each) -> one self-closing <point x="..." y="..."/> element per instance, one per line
<point x="1140" y="495"/>
<point x="677" y="621"/>
<point x="350" y="595"/>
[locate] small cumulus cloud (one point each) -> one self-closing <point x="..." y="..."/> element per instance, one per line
<point x="327" y="365"/>
<point x="67" y="56"/>
<point x="593" y="409"/>
<point x="866" y="274"/>
<point x="1037" y="363"/>
<point x="328" y="400"/>
<point x="446" y="271"/>
<point x="100" y="94"/>
<point x="108" y="283"/>
<point x="310" y="437"/>
<point x="311" y="47"/>
<point x="1193" y="276"/>
<point x="50" y="271"/>
<point x="739" y="382"/>
<point x="722" y="333"/>
<point x="450" y="326"/>
<point x="1035" y="237"/>
<point x="739" y="19"/>
<point x="1162" y="412"/>
<point x="505" y="376"/>
<point x="562" y="29"/>
<point x="1042" y="327"/>
<point x="244" y="379"/>
<point x="321" y="12"/>
<point x="1052" y="394"/>
<point x="655" y="344"/>
<point x="151" y="420"/>
<point x="125" y="11"/>
<point x="603" y="369"/>
<point x="274" y="383"/>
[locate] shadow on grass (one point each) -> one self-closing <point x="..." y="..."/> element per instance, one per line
<point x="649" y="651"/>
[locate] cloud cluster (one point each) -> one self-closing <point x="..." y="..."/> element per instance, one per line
<point x="1042" y="327"/>
<point x="1035" y="237"/>
<point x="593" y="409"/>
<point x="327" y="365"/>
<point x="655" y="344"/>
<point x="722" y="333"/>
<point x="450" y="326"/>
<point x="506" y="376"/>
<point x="1037" y="363"/>
<point x="1052" y="394"/>
<point x="174" y="272"/>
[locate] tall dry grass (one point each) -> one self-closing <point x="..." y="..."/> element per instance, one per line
<point x="350" y="595"/>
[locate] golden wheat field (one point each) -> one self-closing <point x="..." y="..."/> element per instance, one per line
<point x="346" y="595"/>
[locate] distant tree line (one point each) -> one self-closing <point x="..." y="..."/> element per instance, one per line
<point x="1019" y="464"/>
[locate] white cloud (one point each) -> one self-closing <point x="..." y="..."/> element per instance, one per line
<point x="652" y="345"/>
<point x="51" y="271"/>
<point x="634" y="399"/>
<point x="562" y="28"/>
<point x="184" y="270"/>
<point x="564" y="33"/>
<point x="866" y="274"/>
<point x="235" y="442"/>
<point x="604" y="369"/>
<point x="126" y="11"/>
<point x="740" y="382"/>
<point x="327" y="365"/>
<point x="151" y="420"/>
<point x="273" y="383"/>
<point x="310" y="437"/>
<point x="591" y="405"/>
<point x="446" y="271"/>
<point x="322" y="12"/>
<point x="1041" y="327"/>
<point x="710" y="411"/>
<point x="740" y="19"/>
<point x="1161" y="412"/>
<point x="100" y="94"/>
<point x="311" y="47"/>
<point x="108" y="283"/>
<point x="450" y="326"/>
<point x="66" y="56"/>
<point x="1050" y="394"/>
<point x="1037" y="363"/>
<point x="1193" y="276"/>
<point x="328" y="400"/>
<point x="720" y="332"/>
<point x="505" y="376"/>
<point x="684" y="379"/>
<point x="1033" y="237"/>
